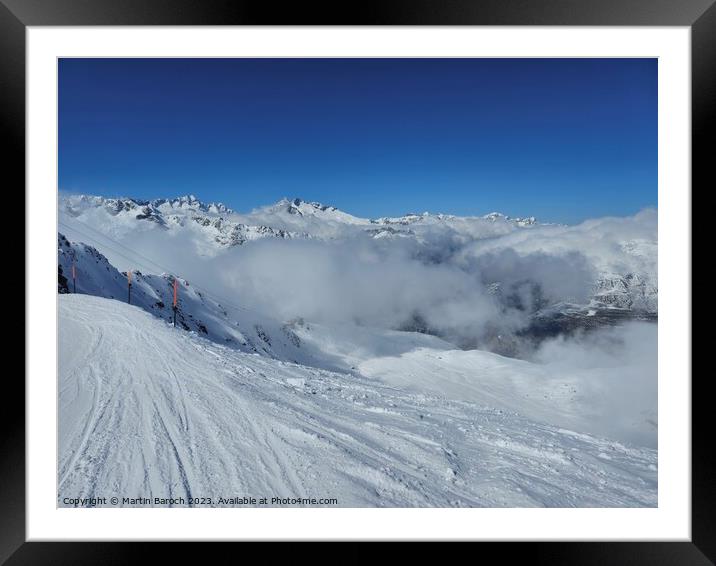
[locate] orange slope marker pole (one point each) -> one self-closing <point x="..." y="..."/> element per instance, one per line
<point x="174" y="302"/>
<point x="129" y="286"/>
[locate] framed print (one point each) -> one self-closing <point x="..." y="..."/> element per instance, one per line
<point x="417" y="273"/>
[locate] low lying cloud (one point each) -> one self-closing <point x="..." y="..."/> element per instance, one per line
<point x="439" y="280"/>
<point x="614" y="371"/>
<point x="610" y="244"/>
<point x="358" y="281"/>
<point x="558" y="277"/>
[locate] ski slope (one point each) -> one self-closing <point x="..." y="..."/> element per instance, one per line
<point x="604" y="398"/>
<point x="148" y="410"/>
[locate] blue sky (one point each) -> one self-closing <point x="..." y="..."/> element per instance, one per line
<point x="561" y="139"/>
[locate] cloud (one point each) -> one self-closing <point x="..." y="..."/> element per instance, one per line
<point x="609" y="244"/>
<point x="566" y="276"/>
<point x="442" y="275"/>
<point x="359" y="280"/>
<point x="614" y="371"/>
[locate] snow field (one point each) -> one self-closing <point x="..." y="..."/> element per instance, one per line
<point x="147" y="410"/>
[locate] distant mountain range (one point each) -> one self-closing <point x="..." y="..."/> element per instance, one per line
<point x="287" y="218"/>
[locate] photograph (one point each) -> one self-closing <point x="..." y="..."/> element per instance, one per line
<point x="343" y="282"/>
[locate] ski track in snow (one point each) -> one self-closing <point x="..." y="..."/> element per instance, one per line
<point x="147" y="410"/>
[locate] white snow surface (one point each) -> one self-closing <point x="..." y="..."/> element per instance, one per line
<point x="149" y="410"/>
<point x="597" y="398"/>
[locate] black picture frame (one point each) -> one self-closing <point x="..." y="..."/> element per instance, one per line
<point x="699" y="15"/>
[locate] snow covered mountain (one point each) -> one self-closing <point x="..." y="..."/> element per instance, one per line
<point x="213" y="224"/>
<point x="197" y="311"/>
<point x="288" y="218"/>
<point x="427" y="218"/>
<point x="301" y="208"/>
<point x="141" y="209"/>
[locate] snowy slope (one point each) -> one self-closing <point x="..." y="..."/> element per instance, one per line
<point x="598" y="398"/>
<point x="148" y="410"/>
<point x="197" y="311"/>
<point x="299" y="214"/>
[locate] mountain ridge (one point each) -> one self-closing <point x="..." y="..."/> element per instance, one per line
<point x="296" y="206"/>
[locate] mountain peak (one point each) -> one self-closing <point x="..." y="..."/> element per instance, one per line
<point x="190" y="201"/>
<point x="74" y="203"/>
<point x="520" y="221"/>
<point x="187" y="198"/>
<point x="301" y="207"/>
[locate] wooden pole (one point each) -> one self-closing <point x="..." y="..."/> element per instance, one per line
<point x="174" y="302"/>
<point x="129" y="287"/>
